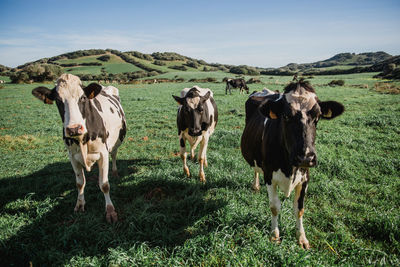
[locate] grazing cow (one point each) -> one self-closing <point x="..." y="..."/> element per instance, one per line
<point x="196" y="119"/>
<point x="93" y="127"/>
<point x="279" y="141"/>
<point x="236" y="83"/>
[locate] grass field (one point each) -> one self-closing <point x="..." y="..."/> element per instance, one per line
<point x="351" y="209"/>
<point x="114" y="65"/>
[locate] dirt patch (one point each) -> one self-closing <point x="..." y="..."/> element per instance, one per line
<point x="24" y="142"/>
<point x="387" y="88"/>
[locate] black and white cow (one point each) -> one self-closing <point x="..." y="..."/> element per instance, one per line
<point x="197" y="117"/>
<point x="279" y="141"/>
<point x="93" y="127"/>
<point x="236" y="83"/>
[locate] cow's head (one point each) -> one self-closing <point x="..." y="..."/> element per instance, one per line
<point x="297" y="113"/>
<point x="69" y="96"/>
<point x="193" y="111"/>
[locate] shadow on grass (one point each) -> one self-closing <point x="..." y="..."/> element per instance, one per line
<point x="153" y="209"/>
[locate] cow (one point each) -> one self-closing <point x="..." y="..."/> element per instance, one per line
<point x="236" y="83"/>
<point x="196" y="120"/>
<point x="94" y="126"/>
<point x="279" y="142"/>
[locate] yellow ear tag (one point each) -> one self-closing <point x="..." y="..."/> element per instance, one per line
<point x="272" y="115"/>
<point x="91" y="96"/>
<point x="328" y="114"/>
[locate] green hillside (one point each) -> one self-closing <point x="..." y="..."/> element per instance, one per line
<point x="339" y="63"/>
<point x="123" y="67"/>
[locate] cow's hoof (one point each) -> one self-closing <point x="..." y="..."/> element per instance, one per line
<point x="303" y="242"/>
<point x="80" y="206"/>
<point x="202" y="177"/>
<point x="115" y="174"/>
<point x="111" y="215"/>
<point x="275" y="238"/>
<point x="186" y="171"/>
<point x="256" y="188"/>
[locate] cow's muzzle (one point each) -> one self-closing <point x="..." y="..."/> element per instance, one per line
<point x="74" y="130"/>
<point x="307" y="161"/>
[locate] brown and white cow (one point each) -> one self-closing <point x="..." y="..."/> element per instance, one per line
<point x="93" y="127"/>
<point x="279" y="141"/>
<point x="197" y="117"/>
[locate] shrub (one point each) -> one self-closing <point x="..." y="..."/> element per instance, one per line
<point x="104" y="58"/>
<point x="205" y="80"/>
<point x="245" y="70"/>
<point x="336" y="83"/>
<point x="183" y="68"/>
<point x="37" y="73"/>
<point x="159" y="63"/>
<point x="254" y="80"/>
<point x="168" y="56"/>
<point x="192" y="64"/>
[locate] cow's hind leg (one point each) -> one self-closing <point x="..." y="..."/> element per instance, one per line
<point x="104" y="185"/>
<point x="80" y="185"/>
<point x="114" y="163"/>
<point x="182" y="143"/>
<point x="275" y="205"/>
<point x="298" y="207"/>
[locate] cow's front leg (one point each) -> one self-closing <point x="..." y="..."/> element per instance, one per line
<point x="275" y="205"/>
<point x="202" y="158"/>
<point x="298" y="207"/>
<point x="182" y="143"/>
<point x="104" y="185"/>
<point x="80" y="185"/>
<point x="256" y="181"/>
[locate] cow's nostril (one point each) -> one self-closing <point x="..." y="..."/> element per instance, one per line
<point x="74" y="130"/>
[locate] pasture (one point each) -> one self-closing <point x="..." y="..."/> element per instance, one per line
<point x="351" y="208"/>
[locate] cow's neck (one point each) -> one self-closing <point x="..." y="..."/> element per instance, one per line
<point x="276" y="154"/>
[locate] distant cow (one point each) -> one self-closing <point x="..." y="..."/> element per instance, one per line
<point x="236" y="83"/>
<point x="197" y="117"/>
<point x="93" y="127"/>
<point x="1" y="81"/>
<point x="279" y="141"/>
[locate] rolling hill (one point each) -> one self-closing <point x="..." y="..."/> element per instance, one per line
<point x="109" y="64"/>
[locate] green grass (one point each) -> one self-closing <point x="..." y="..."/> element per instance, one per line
<point x="5" y="78"/>
<point x="352" y="204"/>
<point x="114" y="65"/>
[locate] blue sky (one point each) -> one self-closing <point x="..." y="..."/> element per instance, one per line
<point x="256" y="33"/>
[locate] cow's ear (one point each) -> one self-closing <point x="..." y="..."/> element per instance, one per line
<point x="92" y="90"/>
<point x="44" y="94"/>
<point x="331" y="109"/>
<point x="205" y="97"/>
<point x="178" y="99"/>
<point x="271" y="109"/>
